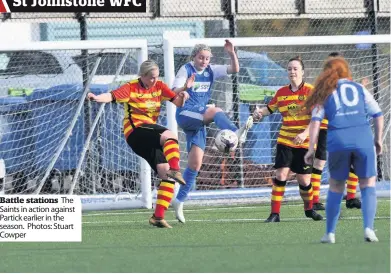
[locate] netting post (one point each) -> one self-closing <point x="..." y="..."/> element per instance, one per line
<point x="372" y="18"/>
<point x="145" y="169"/>
<point x="233" y="32"/>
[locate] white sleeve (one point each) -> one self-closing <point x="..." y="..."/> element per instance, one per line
<point x="371" y="105"/>
<point x="318" y="113"/>
<point x="219" y="71"/>
<point x="180" y="78"/>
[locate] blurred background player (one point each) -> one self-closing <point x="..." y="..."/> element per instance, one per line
<point x="292" y="142"/>
<point x="346" y="105"/>
<point x="142" y="100"/>
<point x="320" y="161"/>
<point x="195" y="114"/>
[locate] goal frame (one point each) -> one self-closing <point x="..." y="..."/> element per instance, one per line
<point x="170" y="44"/>
<point x="99" y="201"/>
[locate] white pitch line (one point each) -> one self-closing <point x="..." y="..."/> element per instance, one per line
<point x="231" y="220"/>
<point x="132" y="212"/>
<point x="186" y="210"/>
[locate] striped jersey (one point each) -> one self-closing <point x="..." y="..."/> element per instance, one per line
<point x="141" y="105"/>
<point x="289" y="104"/>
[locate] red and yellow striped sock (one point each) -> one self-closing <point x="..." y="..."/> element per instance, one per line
<point x="315" y="181"/>
<point x="352" y="183"/>
<point x="307" y="196"/>
<point x="171" y="152"/>
<point x="278" y="190"/>
<point x="164" y="197"/>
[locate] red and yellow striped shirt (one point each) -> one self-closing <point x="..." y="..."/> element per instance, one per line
<point x="289" y="104"/>
<point x="141" y="105"/>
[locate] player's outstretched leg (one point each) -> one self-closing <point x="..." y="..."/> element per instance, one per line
<point x="164" y="196"/>
<point x="243" y="130"/>
<point x="190" y="176"/>
<point x="172" y="155"/>
<point x="369" y="204"/>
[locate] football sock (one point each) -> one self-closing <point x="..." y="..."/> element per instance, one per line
<point x="190" y="178"/>
<point x="171" y="153"/>
<point x="333" y="207"/>
<point x="278" y="190"/>
<point x="307" y="196"/>
<point x="369" y="204"/>
<point x="352" y="183"/>
<point x="315" y="181"/>
<point x="223" y="122"/>
<point x="164" y="196"/>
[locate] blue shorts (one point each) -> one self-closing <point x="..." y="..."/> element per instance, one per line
<point x="363" y="160"/>
<point x="191" y="120"/>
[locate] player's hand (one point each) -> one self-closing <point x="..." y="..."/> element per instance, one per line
<point x="190" y="81"/>
<point x="91" y="96"/>
<point x="309" y="157"/>
<point x="300" y="138"/>
<point x="229" y="47"/>
<point x="185" y="96"/>
<point x="379" y="147"/>
<point x="257" y="114"/>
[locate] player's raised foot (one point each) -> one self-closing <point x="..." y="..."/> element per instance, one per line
<point x="176" y="175"/>
<point x="328" y="238"/>
<point x="318" y="206"/>
<point x="313" y="215"/>
<point x="353" y="203"/>
<point x="273" y="218"/>
<point x="370" y="236"/>
<point x="243" y="130"/>
<point x="159" y="222"/>
<point x="178" y="208"/>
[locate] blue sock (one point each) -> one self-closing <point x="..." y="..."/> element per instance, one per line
<point x="368" y="208"/>
<point x="333" y="207"/>
<point x="190" y="178"/>
<point x="223" y="122"/>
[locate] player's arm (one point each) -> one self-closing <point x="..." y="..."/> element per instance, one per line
<point x="230" y="49"/>
<point x="373" y="109"/>
<point x="178" y="99"/>
<point x="259" y="113"/>
<point x="180" y="82"/>
<point x="119" y="95"/>
<point x="101" y="98"/>
<point x="314" y="127"/>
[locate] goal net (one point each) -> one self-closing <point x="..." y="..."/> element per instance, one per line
<point x="53" y="141"/>
<point x="247" y="175"/>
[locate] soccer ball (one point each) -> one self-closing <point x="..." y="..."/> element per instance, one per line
<point x="226" y="140"/>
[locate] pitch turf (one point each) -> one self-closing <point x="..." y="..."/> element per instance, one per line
<point x="216" y="239"/>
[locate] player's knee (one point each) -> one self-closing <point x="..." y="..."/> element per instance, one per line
<point x="367" y="182"/>
<point x="168" y="135"/>
<point x="162" y="170"/>
<point x="336" y="185"/>
<point x="319" y="164"/>
<point x="282" y="175"/>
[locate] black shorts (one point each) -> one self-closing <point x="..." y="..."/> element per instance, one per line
<point x="292" y="158"/>
<point x="145" y="142"/>
<point x="321" y="147"/>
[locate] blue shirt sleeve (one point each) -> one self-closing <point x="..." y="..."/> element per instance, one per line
<point x="318" y="113"/>
<point x="372" y="107"/>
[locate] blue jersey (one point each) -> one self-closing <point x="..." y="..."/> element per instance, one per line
<point x="201" y="92"/>
<point x="347" y="109"/>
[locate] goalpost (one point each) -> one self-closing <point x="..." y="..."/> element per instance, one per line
<point x="246" y="177"/>
<point x="53" y="140"/>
